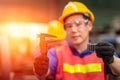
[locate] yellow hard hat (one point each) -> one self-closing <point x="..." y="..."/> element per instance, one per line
<point x="56" y="28"/>
<point x="76" y="7"/>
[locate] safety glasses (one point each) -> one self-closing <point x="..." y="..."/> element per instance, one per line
<point x="77" y="24"/>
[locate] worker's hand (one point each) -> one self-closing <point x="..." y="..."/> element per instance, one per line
<point x="41" y="64"/>
<point x="105" y="51"/>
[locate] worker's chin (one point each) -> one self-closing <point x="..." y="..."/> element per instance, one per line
<point x="76" y="41"/>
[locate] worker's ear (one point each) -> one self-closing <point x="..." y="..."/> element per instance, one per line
<point x="90" y="25"/>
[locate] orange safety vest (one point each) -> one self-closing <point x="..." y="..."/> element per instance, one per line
<point x="71" y="67"/>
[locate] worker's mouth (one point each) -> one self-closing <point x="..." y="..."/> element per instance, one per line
<point x="75" y="37"/>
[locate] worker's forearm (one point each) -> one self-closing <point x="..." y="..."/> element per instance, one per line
<point x="115" y="66"/>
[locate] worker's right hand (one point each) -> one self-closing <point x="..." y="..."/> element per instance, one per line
<point x="41" y="64"/>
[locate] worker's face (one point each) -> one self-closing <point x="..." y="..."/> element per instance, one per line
<point x="77" y="30"/>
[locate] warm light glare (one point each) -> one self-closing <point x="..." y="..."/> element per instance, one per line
<point x="13" y="29"/>
<point x="20" y="29"/>
<point x="15" y="32"/>
<point x="34" y="28"/>
<point x="37" y="29"/>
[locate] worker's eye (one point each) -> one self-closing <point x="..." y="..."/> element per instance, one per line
<point x="68" y="25"/>
<point x="77" y="23"/>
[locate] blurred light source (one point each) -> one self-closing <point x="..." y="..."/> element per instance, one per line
<point x="22" y="29"/>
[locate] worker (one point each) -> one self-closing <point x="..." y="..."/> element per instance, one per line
<point x="73" y="61"/>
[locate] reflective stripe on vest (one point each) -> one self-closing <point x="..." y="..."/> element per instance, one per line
<point x="79" y="68"/>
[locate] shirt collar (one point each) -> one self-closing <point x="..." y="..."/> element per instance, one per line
<point x="82" y="54"/>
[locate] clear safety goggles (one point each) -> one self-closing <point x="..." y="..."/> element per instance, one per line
<point x="77" y="23"/>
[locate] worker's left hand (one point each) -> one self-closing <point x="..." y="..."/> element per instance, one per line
<point x="41" y="64"/>
<point x="105" y="51"/>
